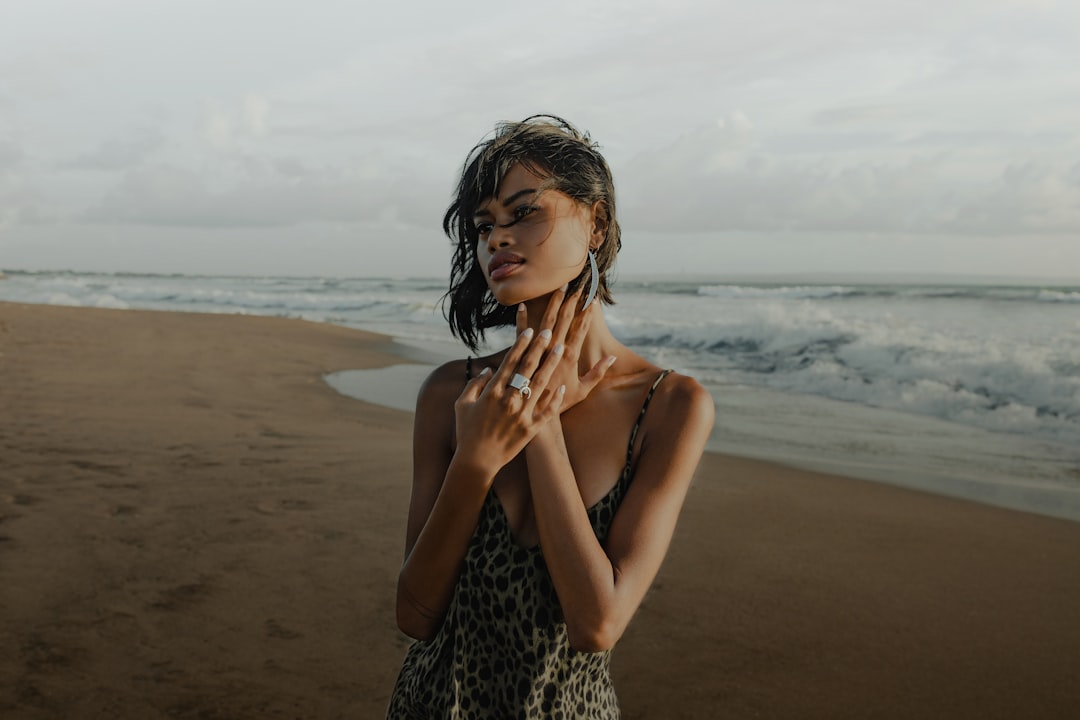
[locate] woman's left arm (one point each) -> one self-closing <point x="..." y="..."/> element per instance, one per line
<point x="601" y="586"/>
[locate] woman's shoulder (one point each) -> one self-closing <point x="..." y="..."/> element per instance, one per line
<point x="448" y="378"/>
<point x="684" y="399"/>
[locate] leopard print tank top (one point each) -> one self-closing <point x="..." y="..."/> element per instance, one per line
<point x="502" y="650"/>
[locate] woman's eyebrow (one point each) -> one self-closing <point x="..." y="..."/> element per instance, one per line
<point x="515" y="196"/>
<point x="484" y="212"/>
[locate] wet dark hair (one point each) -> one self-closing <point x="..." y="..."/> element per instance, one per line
<point x="569" y="162"/>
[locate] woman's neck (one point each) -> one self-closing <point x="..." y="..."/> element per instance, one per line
<point x="598" y="344"/>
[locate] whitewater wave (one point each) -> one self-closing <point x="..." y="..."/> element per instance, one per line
<point x="1058" y="296"/>
<point x="955" y="364"/>
<point x="788" y="293"/>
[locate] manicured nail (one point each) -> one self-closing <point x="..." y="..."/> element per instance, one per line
<point x="521" y="307"/>
<point x="527" y="332"/>
<point x="565" y="286"/>
<point x="484" y="372"/>
<point x="558" y="349"/>
<point x="562" y="389"/>
<point x="545" y="334"/>
<point x="611" y="360"/>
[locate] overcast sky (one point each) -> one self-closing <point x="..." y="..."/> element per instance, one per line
<point x="323" y="137"/>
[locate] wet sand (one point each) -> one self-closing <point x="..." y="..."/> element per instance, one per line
<point x="194" y="525"/>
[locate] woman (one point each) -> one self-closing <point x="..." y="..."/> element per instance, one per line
<point x="547" y="477"/>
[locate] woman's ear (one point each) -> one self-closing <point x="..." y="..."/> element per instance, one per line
<point x="600" y="223"/>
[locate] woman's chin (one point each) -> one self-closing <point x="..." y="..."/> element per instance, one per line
<point x="507" y="300"/>
<point x="511" y="297"/>
<point x="510" y="294"/>
<point x="512" y="291"/>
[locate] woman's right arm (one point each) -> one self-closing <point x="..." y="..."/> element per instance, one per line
<point x="460" y="442"/>
<point x="446" y="499"/>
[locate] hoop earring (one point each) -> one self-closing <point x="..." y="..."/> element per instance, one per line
<point x="594" y="280"/>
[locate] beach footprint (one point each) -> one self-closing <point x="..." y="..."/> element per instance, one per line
<point x="22" y="499"/>
<point x="99" y="467"/>
<point x="276" y="507"/>
<point x="275" y="629"/>
<point x="181" y="596"/>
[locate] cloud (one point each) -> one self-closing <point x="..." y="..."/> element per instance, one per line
<point x="724" y="177"/>
<point x="235" y="167"/>
<point x="1030" y="196"/>
<point x="11" y="156"/>
<point x="18" y="202"/>
<point x="224" y="126"/>
<point x="873" y="114"/>
<point x="121" y="152"/>
<point x="272" y="192"/>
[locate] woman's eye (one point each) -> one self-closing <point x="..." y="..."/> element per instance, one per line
<point x="483" y="228"/>
<point x="524" y="210"/>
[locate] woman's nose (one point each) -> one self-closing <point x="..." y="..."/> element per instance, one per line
<point x="500" y="237"/>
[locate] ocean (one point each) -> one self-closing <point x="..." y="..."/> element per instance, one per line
<point x="968" y="390"/>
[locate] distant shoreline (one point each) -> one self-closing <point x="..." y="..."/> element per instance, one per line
<point x="810" y="278"/>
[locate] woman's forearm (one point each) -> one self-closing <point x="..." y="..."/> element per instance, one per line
<point x="428" y="575"/>
<point x="583" y="574"/>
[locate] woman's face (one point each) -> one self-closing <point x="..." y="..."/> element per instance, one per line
<point x="530" y="243"/>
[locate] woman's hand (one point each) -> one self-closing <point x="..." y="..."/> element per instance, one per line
<point x="568" y="329"/>
<point x="495" y="421"/>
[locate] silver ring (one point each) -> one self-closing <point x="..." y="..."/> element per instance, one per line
<point x="520" y="383"/>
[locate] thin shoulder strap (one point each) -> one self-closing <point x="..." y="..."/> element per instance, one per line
<point x="640" y="417"/>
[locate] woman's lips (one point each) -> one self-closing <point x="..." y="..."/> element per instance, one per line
<point x="505" y="269"/>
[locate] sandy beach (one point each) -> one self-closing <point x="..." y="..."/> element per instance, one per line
<point x="194" y="525"/>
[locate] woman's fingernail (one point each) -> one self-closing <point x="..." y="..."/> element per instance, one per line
<point x="527" y="332"/>
<point x="611" y="360"/>
<point x="521" y="307"/>
<point x="558" y="349"/>
<point x="484" y="372"/>
<point x="565" y="286"/>
<point x="545" y="333"/>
